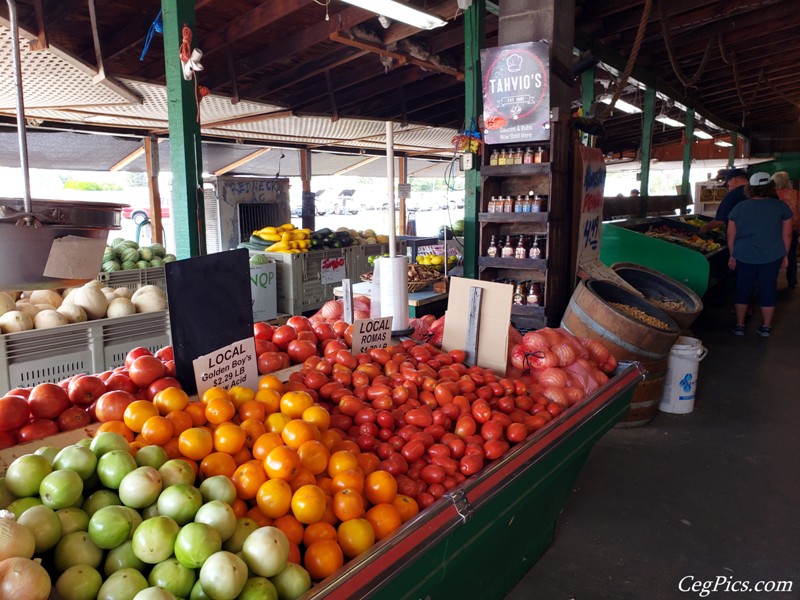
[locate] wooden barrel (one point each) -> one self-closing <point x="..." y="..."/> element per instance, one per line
<point x="590" y="315"/>
<point x="656" y="285"/>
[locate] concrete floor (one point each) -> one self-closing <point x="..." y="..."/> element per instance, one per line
<point x="712" y="494"/>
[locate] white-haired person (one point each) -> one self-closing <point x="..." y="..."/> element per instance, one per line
<point x="788" y="194"/>
<point x="759" y="233"/>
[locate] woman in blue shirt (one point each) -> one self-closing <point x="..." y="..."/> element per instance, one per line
<point x="759" y="234"/>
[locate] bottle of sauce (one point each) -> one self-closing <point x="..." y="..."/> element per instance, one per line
<point x="520" y="294"/>
<point x="535" y="251"/>
<point x="520" y="251"/>
<point x="527" y="157"/>
<point x="537" y="157"/>
<point x="492" y="205"/>
<point x="520" y="205"/>
<point x="493" y="158"/>
<point x="518" y="156"/>
<point x="491" y="252"/>
<point x="536" y="204"/>
<point x="545" y="155"/>
<point x="508" y="204"/>
<point x="508" y="250"/>
<point x="533" y="295"/>
<point x="502" y="159"/>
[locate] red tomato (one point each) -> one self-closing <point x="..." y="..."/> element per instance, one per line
<point x="481" y="411"/>
<point x="111" y="405"/>
<point x="14" y="412"/>
<point x="145" y="370"/>
<point x="264" y="346"/>
<point x="36" y="430"/>
<point x="516" y="432"/>
<point x="170" y="367"/>
<point x="47" y="401"/>
<point x="494" y="449"/>
<point x="470" y="464"/>
<point x="74" y="417"/>
<point x="164" y="354"/>
<point x="324" y="331"/>
<point x="24" y="392"/>
<point x="283" y="335"/>
<point x="134" y="354"/>
<point x="340" y="326"/>
<point x="307" y="336"/>
<point x="269" y="362"/>
<point x="263" y="331"/>
<point x="85" y="389"/>
<point x="7" y="439"/>
<point x="492" y="430"/>
<point x="118" y="381"/>
<point x="300" y="350"/>
<point x="331" y="347"/>
<point x="299" y="323"/>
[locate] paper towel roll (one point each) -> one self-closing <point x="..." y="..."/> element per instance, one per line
<point x="393" y="284"/>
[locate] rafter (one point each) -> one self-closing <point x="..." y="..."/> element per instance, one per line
<point x="242" y="161"/>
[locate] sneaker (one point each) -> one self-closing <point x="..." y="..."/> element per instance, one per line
<point x="765" y="331"/>
<point x="739" y="330"/>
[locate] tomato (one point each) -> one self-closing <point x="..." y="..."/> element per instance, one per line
<point x="481" y="411"/>
<point x="470" y="464"/>
<point x="516" y="432"/>
<point x="74" y="417"/>
<point x="263" y="331"/>
<point x="111" y="405"/>
<point x="413" y="450"/>
<point x="24" y="392"/>
<point x="120" y="381"/>
<point x="324" y="331"/>
<point x="47" y="401"/>
<point x="420" y="417"/>
<point x="14" y="412"/>
<point x="165" y="354"/>
<point x="492" y="430"/>
<point x="262" y="346"/>
<point x="384" y="518"/>
<point x="85" y="389"/>
<point x="134" y="354"/>
<point x="37" y="429"/>
<point x="145" y="370"/>
<point x="465" y="426"/>
<point x="308" y="504"/>
<point x="269" y="362"/>
<point x="160" y="384"/>
<point x="7" y="439"/>
<point x="283" y="335"/>
<point x="494" y="449"/>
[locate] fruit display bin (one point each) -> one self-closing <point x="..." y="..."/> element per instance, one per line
<point x="488" y="532"/>
<point x="135" y="278"/>
<point x="29" y="358"/>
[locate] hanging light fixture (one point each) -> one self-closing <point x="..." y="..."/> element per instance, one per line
<point x="703" y="135"/>
<point x="625" y="107"/>
<point x="667" y="120"/>
<point x="400" y="11"/>
<point x="722" y="143"/>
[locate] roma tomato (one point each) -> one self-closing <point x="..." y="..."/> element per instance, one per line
<point x="145" y="370"/>
<point x="85" y="389"/>
<point x="74" y="417"/>
<point x="300" y="350"/>
<point x="481" y="411"/>
<point x="47" y="401"/>
<point x="324" y="331"/>
<point x="470" y="464"/>
<point x="36" y="430"/>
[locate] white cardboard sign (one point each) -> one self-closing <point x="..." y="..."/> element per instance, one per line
<point x="371" y="333"/>
<point x="332" y="270"/>
<point x="226" y="367"/>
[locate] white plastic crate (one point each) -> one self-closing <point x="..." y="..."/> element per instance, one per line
<point x="135" y="278"/>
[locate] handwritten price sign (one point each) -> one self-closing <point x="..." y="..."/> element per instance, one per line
<point x="592" y="184"/>
<point x="591" y="233"/>
<point x="333" y="270"/>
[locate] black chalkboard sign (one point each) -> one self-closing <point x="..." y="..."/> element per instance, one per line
<point x="209" y="307"/>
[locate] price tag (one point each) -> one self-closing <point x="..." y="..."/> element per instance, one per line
<point x="371" y="333"/>
<point x="332" y="270"/>
<point x="404" y="190"/>
<point x="232" y="365"/>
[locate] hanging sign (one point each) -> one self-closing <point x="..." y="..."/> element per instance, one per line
<point x="516" y="93"/>
<point x="332" y="270"/>
<point x="371" y="333"/>
<point x="593" y="179"/>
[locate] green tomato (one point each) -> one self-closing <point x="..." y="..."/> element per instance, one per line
<point x="195" y="543"/>
<point x="218" y="487"/>
<point x="198" y="593"/>
<point x="173" y="577"/>
<point x="122" y="585"/>
<point x="6" y="497"/>
<point x="154" y="540"/>
<point x="77" y="458"/>
<point x="258" y="588"/>
<point x="49" y="452"/>
<point x="140" y="487"/>
<point x="110" y="526"/>
<point x="292" y="582"/>
<point x="244" y="527"/>
<point x="180" y="501"/>
<point x="72" y="519"/>
<point x="220" y="516"/>
<point x="223" y="576"/>
<point x="100" y="499"/>
<point x="176" y="471"/>
<point x="61" y="489"/>
<point x="25" y="474"/>
<point x="79" y="582"/>
<point x="18" y="507"/>
<point x="113" y="466"/>
<point x="122" y="557"/>
<point x="154" y="592"/>
<point x="106" y="441"/>
<point x="151" y="456"/>
<point x="77" y="548"/>
<point x="44" y="524"/>
<point x="266" y="551"/>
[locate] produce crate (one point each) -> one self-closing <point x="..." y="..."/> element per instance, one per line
<point x="300" y="287"/>
<point x="135" y="278"/>
<point x="39" y="356"/>
<point x="362" y="253"/>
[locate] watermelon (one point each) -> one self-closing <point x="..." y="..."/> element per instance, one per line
<point x="156" y="262"/>
<point x="111" y="265"/>
<point x="145" y="253"/>
<point x="158" y="250"/>
<point x="142" y="264"/>
<point x="117" y="241"/>
<point x="169" y="258"/>
<point x="128" y="265"/>
<point x="129" y="255"/>
<point x="458" y="227"/>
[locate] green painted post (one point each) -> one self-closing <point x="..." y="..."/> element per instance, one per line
<point x="732" y="149"/>
<point x="587" y="99"/>
<point x="647" y="139"/>
<point x="687" y="152"/>
<point x="184" y="135"/>
<point x="474" y="40"/>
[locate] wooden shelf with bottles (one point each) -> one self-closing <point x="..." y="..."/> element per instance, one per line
<point x="548" y="181"/>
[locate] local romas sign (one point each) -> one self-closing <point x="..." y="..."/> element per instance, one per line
<point x="516" y="93"/>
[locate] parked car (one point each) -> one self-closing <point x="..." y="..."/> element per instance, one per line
<point x="333" y="203"/>
<point x="141" y="212"/>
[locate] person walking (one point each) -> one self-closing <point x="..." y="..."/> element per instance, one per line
<point x="788" y="194"/>
<point x="759" y="234"/>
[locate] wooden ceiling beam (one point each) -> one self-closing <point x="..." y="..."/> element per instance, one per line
<point x="242" y="161"/>
<point x="297" y="42"/>
<point x="344" y="83"/>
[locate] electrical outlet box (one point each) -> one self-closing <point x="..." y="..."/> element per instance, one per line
<point x="466" y="161"/>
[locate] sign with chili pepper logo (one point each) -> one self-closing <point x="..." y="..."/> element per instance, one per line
<point x="516" y="93"/>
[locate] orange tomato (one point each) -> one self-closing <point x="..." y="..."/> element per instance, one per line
<point x="380" y="487"/>
<point x="259" y="517"/>
<point x="247" y="478"/>
<point x="330" y="515"/>
<point x="348" y="504"/>
<point x="294" y="403"/>
<point x="352" y="479"/>
<point x="264" y="443"/>
<point x="347" y="446"/>
<point x="240" y="394"/>
<point x="330" y="438"/>
<point x="314" y="456"/>
<point x="229" y="437"/>
<point x="253" y="429"/>
<point x="316" y="532"/>
<point x="308" y="504"/>
<point x="170" y="399"/>
<point x="406" y="506"/>
<point x="276" y="422"/>
<point x="368" y="462"/>
<point x="282" y="463"/>
<point x="274" y="498"/>
<point x="219" y="410"/>
<point x="355" y="536"/>
<point x="197" y="411"/>
<point x="270" y="382"/>
<point x="301" y="478"/>
<point x="118" y="427"/>
<point x="323" y="558"/>
<point x="215" y="392"/>
<point x="384" y="518"/>
<point x="180" y="421"/>
<point x="137" y="412"/>
<point x="253" y="409"/>
<point x="157" y="430"/>
<point x="342" y="460"/>
<point x="196" y="443"/>
<point x="297" y="432"/>
<point x="242" y="456"/>
<point x="217" y="463"/>
<point x="270" y="398"/>
<point x="240" y="508"/>
<point x="289" y="525"/>
<point x="317" y="415"/>
<point x="324" y="483"/>
<point x="172" y="448"/>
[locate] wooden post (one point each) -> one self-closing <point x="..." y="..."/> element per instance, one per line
<point x="186" y="153"/>
<point x="308" y="208"/>
<point x="402" y="177"/>
<point x="151" y="158"/>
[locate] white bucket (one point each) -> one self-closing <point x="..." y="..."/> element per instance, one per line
<point x="681" y="380"/>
